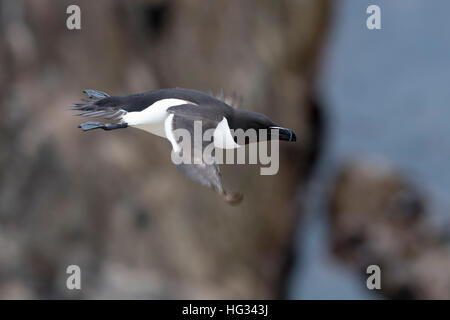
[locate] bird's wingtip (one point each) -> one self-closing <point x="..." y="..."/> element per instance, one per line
<point x="234" y="198"/>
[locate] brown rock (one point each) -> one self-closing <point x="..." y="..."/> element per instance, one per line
<point x="379" y="217"/>
<point x="112" y="202"/>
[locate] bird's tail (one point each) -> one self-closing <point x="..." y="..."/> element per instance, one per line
<point x="100" y="105"/>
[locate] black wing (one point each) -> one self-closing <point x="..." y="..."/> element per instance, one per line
<point x="101" y="105"/>
<point x="198" y="165"/>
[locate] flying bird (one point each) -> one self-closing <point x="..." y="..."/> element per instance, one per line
<point x="161" y="112"/>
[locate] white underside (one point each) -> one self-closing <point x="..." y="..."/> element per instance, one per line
<point x="152" y="118"/>
<point x="155" y="119"/>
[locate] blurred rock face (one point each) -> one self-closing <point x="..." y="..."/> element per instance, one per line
<point x="111" y="202"/>
<point x="379" y="217"/>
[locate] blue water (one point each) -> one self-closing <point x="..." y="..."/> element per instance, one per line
<point x="387" y="94"/>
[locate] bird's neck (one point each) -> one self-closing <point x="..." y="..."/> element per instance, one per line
<point x="241" y="119"/>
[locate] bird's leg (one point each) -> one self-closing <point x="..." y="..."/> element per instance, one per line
<point x="90" y="125"/>
<point x="113" y="126"/>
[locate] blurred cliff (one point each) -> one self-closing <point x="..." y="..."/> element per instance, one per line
<point x="378" y="216"/>
<point x="111" y="202"/>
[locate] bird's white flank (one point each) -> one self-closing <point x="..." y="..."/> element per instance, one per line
<point x="152" y="119"/>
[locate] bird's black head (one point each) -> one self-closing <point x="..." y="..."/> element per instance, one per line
<point x="253" y="120"/>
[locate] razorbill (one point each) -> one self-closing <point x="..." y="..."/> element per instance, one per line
<point x="160" y="112"/>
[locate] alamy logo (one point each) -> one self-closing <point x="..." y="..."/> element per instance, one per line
<point x="73" y="21"/>
<point x="74" y="280"/>
<point x="373" y="22"/>
<point x="374" y="280"/>
<point x="209" y="148"/>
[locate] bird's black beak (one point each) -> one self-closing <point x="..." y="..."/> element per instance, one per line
<point x="284" y="134"/>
